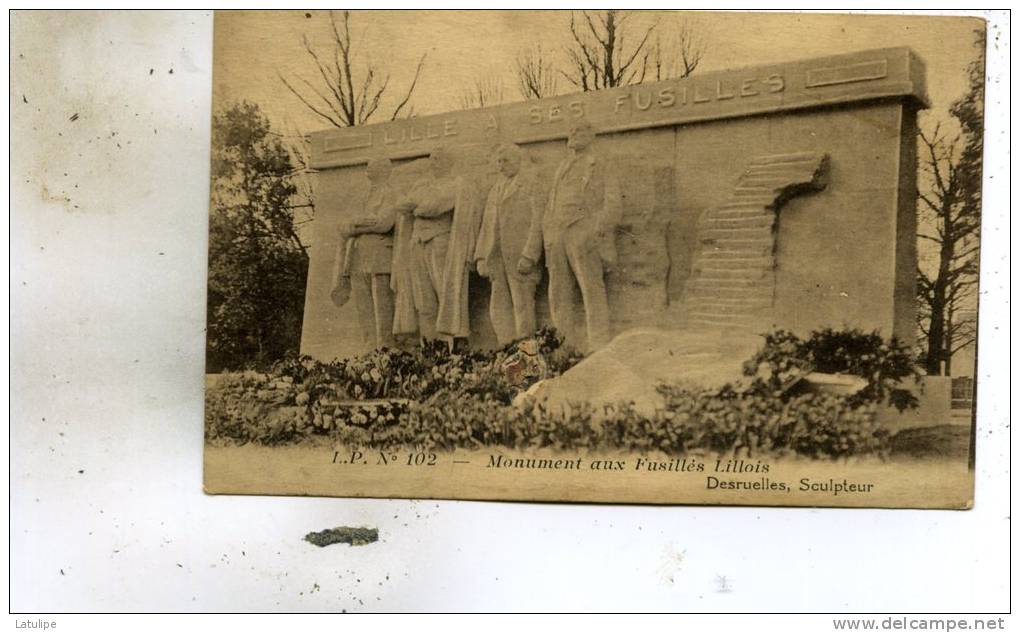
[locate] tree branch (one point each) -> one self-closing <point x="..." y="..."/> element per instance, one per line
<point x="308" y="105"/>
<point x="410" y="89"/>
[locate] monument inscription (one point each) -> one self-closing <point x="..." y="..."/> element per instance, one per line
<point x="883" y="73"/>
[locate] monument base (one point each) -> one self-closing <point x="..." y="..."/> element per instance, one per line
<point x="633" y="365"/>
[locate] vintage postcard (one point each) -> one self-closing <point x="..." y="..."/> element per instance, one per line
<point x="596" y="256"/>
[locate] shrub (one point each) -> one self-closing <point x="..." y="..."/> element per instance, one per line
<point x="883" y="364"/>
<point x="432" y="398"/>
<point x="731" y="421"/>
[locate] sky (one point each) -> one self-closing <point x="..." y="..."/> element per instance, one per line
<point x="252" y="49"/>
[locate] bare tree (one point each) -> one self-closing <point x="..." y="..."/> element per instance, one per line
<point x="948" y="232"/>
<point x="486" y="91"/>
<point x="536" y="77"/>
<point x="599" y="55"/>
<point x="677" y="53"/>
<point x="949" y="226"/>
<point x="298" y="147"/>
<point x="341" y="98"/>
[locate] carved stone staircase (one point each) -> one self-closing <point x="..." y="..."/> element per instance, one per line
<point x="732" y="283"/>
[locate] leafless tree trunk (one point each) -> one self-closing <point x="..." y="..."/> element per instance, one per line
<point x="948" y="231"/>
<point x="603" y="55"/>
<point x="341" y="98"/>
<point x="536" y="77"/>
<point x="599" y="55"/>
<point x="676" y="54"/>
<point x="297" y="145"/>
<point x="487" y="91"/>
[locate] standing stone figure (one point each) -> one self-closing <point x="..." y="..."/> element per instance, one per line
<point x="442" y="241"/>
<point x="510" y="223"/>
<point x="405" y="317"/>
<point x="453" y="321"/>
<point x="367" y="257"/>
<point x="579" y="229"/>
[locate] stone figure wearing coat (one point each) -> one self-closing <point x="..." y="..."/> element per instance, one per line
<point x="445" y="226"/>
<point x="367" y="255"/>
<point x="510" y="225"/>
<point x="579" y="233"/>
<point x="405" y="316"/>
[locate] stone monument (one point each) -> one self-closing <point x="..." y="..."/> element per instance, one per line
<point x="770" y="196"/>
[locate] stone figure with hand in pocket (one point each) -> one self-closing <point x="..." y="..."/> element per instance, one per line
<point x="579" y="232"/>
<point x="508" y="246"/>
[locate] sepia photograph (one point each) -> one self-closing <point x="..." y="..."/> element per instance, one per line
<point x="619" y="256"/>
<point x="350" y="310"/>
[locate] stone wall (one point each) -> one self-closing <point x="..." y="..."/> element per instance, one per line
<point x="836" y="252"/>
